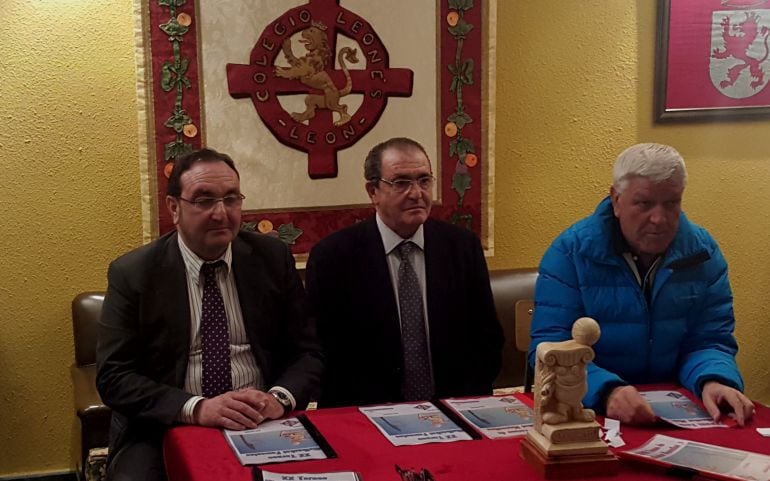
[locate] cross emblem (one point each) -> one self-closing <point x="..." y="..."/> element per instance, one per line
<point x="316" y="131"/>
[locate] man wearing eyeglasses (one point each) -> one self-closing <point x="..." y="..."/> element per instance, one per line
<point x="203" y="326"/>
<point x="403" y="302"/>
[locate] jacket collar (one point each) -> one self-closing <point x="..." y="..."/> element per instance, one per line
<point x="601" y="238"/>
<point x="391" y="240"/>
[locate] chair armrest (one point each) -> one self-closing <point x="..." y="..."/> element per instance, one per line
<point x="87" y="400"/>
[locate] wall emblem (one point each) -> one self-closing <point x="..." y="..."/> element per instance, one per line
<point x="739" y="65"/>
<point x="311" y="71"/>
<point x="326" y="125"/>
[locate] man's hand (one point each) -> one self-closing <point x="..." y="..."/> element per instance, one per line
<point x="237" y="410"/>
<point x="716" y="395"/>
<point x="273" y="409"/>
<point x="628" y="406"/>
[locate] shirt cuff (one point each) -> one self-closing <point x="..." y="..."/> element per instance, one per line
<point x="186" y="413"/>
<point x="288" y="395"/>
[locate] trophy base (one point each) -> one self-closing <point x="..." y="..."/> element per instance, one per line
<point x="570" y="466"/>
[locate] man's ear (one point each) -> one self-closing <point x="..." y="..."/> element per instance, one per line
<point x="371" y="189"/>
<point x="614" y="196"/>
<point x="172" y="204"/>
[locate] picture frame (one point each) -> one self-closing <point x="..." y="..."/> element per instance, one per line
<point x="712" y="60"/>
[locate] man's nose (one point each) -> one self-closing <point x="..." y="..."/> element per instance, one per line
<point x="219" y="208"/>
<point x="414" y="192"/>
<point x="658" y="215"/>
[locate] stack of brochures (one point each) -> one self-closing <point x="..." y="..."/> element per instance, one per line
<point x="700" y="458"/>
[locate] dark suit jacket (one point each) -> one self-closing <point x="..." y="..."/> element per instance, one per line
<point x="352" y="297"/>
<point x="144" y="331"/>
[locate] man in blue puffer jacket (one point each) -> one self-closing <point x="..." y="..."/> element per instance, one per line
<point x="656" y="284"/>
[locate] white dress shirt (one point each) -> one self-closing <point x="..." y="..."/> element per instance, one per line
<point x="244" y="370"/>
<point x="391" y="241"/>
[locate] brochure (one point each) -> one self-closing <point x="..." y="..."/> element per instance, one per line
<point x="274" y="442"/>
<point x="338" y="476"/>
<point x="495" y="417"/>
<point x="694" y="457"/>
<point x="679" y="410"/>
<point x="412" y="424"/>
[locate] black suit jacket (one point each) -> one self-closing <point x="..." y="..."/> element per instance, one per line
<point x="352" y="297"/>
<point x="144" y="331"/>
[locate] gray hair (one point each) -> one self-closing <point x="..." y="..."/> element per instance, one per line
<point x="656" y="162"/>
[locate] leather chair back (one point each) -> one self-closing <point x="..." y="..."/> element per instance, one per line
<point x="86" y="309"/>
<point x="514" y="291"/>
<point x="93" y="414"/>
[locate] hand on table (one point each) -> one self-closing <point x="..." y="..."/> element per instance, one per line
<point x="716" y="396"/>
<point x="628" y="406"/>
<point x="237" y="410"/>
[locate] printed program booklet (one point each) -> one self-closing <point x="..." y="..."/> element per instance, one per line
<point x="411" y="424"/>
<point x="275" y="441"/>
<point x="494" y="416"/>
<point x="679" y="410"/>
<point x="708" y="459"/>
<point x="263" y="475"/>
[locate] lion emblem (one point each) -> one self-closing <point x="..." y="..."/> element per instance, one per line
<point x="738" y="38"/>
<point x="310" y="69"/>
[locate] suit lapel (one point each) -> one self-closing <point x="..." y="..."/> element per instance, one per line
<point x="373" y="266"/>
<point x="175" y="304"/>
<point x="436" y="278"/>
<point x="249" y="281"/>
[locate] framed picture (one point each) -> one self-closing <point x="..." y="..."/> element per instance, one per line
<point x="298" y="91"/>
<point x="712" y="60"/>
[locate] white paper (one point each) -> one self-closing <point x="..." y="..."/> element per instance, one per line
<point x="613" y="439"/>
<point x="764" y="432"/>
<point x="339" y="476"/>
<point x="495" y="416"/>
<point x="612" y="433"/>
<point x="612" y="425"/>
<point x="274" y="442"/>
<point x="706" y="458"/>
<point x="679" y="410"/>
<point x="411" y="424"/>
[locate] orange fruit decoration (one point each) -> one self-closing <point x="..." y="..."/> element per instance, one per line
<point x="264" y="226"/>
<point x="184" y="19"/>
<point x="450" y="129"/>
<point x="471" y="160"/>
<point x="190" y="130"/>
<point x="167" y="169"/>
<point x="452" y="18"/>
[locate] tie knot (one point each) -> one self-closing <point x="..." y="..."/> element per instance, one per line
<point x="209" y="269"/>
<point x="404" y="249"/>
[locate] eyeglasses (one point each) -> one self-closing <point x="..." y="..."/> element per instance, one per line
<point x="404" y="185"/>
<point x="207" y="203"/>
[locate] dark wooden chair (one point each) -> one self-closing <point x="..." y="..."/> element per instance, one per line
<point x="94" y="415"/>
<point x="514" y="291"/>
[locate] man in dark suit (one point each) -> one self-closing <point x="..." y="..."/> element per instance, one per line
<point x="403" y="302"/>
<point x="205" y="325"/>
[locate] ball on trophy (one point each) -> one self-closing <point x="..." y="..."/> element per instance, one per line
<point x="586" y="331"/>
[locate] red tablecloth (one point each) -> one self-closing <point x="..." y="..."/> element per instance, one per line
<point x="197" y="454"/>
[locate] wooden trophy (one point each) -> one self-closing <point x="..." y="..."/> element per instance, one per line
<point x="565" y="442"/>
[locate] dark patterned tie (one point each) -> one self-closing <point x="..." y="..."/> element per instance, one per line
<point x="418" y="382"/>
<point x="215" y="335"/>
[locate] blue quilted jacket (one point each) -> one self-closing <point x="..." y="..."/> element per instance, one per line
<point x="684" y="334"/>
